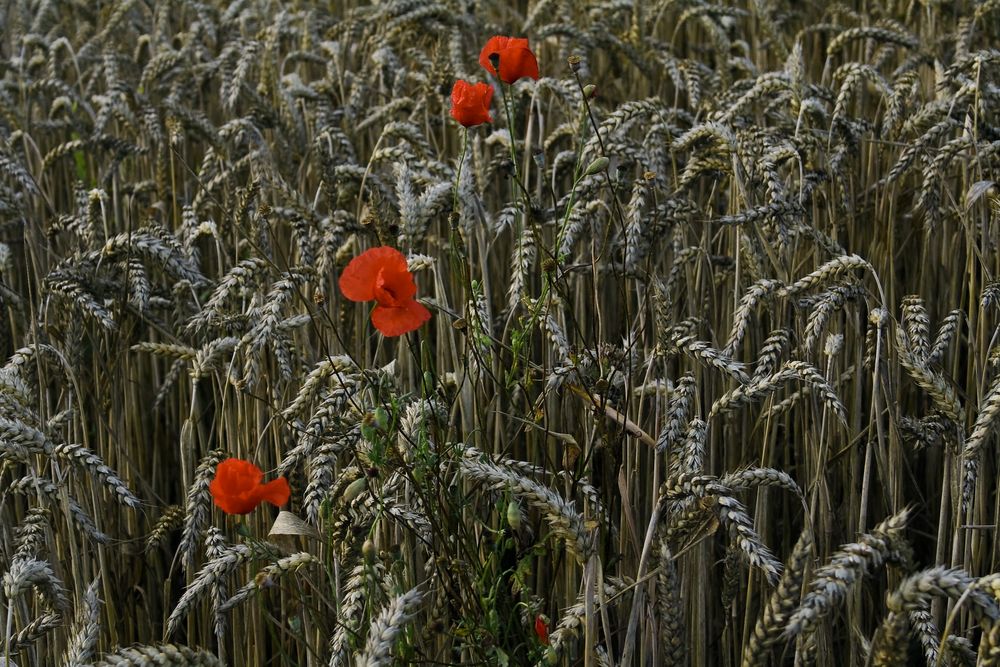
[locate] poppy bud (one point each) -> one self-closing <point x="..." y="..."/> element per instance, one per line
<point x="597" y="166"/>
<point x="589" y="91"/>
<point x="460" y="324"/>
<point x="574" y="62"/>
<point x="295" y="624"/>
<point x="368" y="431"/>
<point x="514" y="514"/>
<point x="542" y="629"/>
<point x="368" y="551"/>
<point x="381" y="418"/>
<point x="355" y="489"/>
<point x="549" y="265"/>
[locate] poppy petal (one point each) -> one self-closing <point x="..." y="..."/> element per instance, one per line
<point x="470" y="104"/>
<point x="542" y="629"/>
<point x="517" y="62"/>
<point x="275" y="492"/>
<point x="400" y="320"/>
<point x="237" y="473"/>
<point x="357" y="280"/>
<point x="495" y="44"/>
<point x="229" y="502"/>
<point x="394" y="287"/>
<point x="237" y="489"/>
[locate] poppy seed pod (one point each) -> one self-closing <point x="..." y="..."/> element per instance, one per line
<point x="597" y="166"/>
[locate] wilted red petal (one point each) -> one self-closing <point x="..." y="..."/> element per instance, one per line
<point x="542" y="629"/>
<point x="357" y="280"/>
<point x="400" y="320"/>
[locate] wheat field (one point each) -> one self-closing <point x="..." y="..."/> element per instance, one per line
<point x="710" y="377"/>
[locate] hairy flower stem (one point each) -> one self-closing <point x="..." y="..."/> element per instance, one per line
<point x="510" y="129"/>
<point x="521" y="339"/>
<point x="460" y="257"/>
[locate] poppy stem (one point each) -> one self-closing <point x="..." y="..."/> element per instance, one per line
<point x="510" y="127"/>
<point x="525" y="195"/>
<point x="457" y="242"/>
<point x="458" y="174"/>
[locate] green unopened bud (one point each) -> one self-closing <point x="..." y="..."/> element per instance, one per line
<point x="381" y="418"/>
<point x="369" y="551"/>
<point x="597" y="166"/>
<point x="514" y="514"/>
<point x="295" y="624"/>
<point x="589" y="90"/>
<point x="368" y="431"/>
<point x="355" y="489"/>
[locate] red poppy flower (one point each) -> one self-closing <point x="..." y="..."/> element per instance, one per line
<point x="542" y="629"/>
<point x="237" y="487"/>
<point x="516" y="59"/>
<point x="470" y="103"/>
<point x="380" y="274"/>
